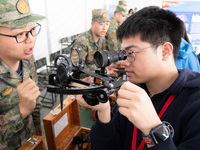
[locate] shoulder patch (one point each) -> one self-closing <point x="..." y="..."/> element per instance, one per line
<point x="7" y="91"/>
<point x="112" y="35"/>
<point x="90" y="39"/>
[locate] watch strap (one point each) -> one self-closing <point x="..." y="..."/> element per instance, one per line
<point x="147" y="139"/>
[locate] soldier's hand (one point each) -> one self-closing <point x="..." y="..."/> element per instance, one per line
<point x="88" y="79"/>
<point x="39" y="132"/>
<point x="28" y="92"/>
<point x="112" y="70"/>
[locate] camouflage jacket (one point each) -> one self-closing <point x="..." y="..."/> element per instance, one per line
<point x="112" y="43"/>
<point x="14" y="130"/>
<point x="87" y="45"/>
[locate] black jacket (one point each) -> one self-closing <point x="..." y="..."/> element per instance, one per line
<point x="183" y="114"/>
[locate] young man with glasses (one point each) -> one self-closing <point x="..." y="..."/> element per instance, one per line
<point x="19" y="107"/>
<point x="158" y="108"/>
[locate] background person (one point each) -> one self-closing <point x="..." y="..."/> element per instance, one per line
<point x="130" y="12"/>
<point x="19" y="107"/>
<point x="93" y="40"/>
<point x="119" y="16"/>
<point x="187" y="57"/>
<point x="135" y="9"/>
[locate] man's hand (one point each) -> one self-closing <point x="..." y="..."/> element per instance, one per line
<point x="102" y="108"/>
<point x="28" y="92"/>
<point x="135" y="104"/>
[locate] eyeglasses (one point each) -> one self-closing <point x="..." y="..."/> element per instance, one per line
<point x="23" y="36"/>
<point x="131" y="54"/>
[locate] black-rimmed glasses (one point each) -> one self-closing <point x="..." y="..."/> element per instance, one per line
<point x="23" y="36"/>
<point x="131" y="54"/>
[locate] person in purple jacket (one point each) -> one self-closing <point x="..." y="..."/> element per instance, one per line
<point x="159" y="107"/>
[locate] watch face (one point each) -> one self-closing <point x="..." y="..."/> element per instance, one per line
<point x="169" y="127"/>
<point x="160" y="134"/>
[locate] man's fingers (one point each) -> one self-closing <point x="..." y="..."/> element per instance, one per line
<point x="130" y="87"/>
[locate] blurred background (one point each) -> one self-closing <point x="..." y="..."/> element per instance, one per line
<point x="65" y="19"/>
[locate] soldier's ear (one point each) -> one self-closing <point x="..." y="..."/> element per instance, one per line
<point x="117" y="14"/>
<point x="92" y="25"/>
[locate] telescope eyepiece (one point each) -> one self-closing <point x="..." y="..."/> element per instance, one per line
<point x="104" y="58"/>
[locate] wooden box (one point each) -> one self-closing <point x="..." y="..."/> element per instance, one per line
<point x="62" y="126"/>
<point x="34" y="143"/>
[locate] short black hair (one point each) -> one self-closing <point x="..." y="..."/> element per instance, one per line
<point x="184" y="32"/>
<point x="155" y="26"/>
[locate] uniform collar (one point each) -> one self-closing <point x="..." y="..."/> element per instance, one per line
<point x="5" y="70"/>
<point x="114" y="21"/>
<point x="91" y="38"/>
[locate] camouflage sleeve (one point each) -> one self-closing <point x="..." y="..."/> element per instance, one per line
<point x="111" y="41"/>
<point x="36" y="116"/>
<point x="10" y="123"/>
<point x="12" y="126"/>
<point x="36" y="112"/>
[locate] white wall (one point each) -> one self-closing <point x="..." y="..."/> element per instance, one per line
<point x="143" y="3"/>
<point x="65" y="18"/>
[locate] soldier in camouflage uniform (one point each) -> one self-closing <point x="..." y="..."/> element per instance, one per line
<point x="93" y="40"/>
<point x="19" y="107"/>
<point x="112" y="43"/>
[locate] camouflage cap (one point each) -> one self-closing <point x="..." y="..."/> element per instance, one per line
<point x="100" y="15"/>
<point x="16" y="13"/>
<point x="122" y="3"/>
<point x="122" y="10"/>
